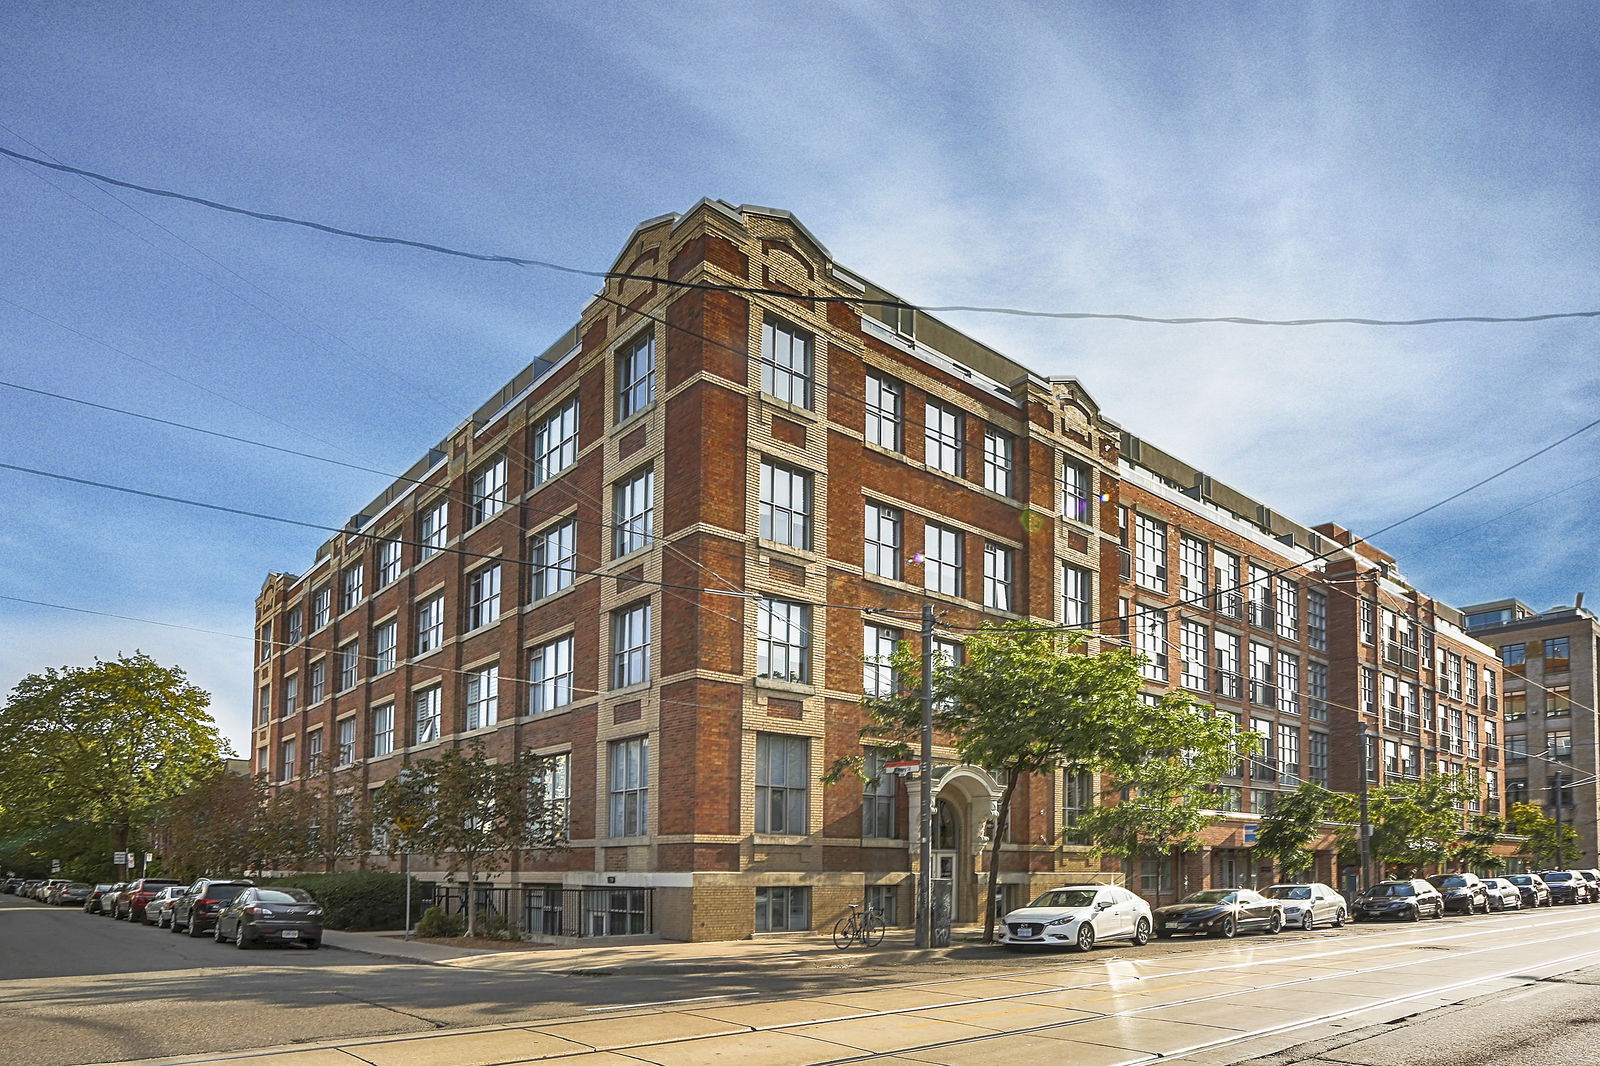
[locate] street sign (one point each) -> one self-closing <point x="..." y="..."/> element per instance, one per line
<point x="120" y="858"/>
<point x="1250" y="834"/>
<point x="55" y="866"/>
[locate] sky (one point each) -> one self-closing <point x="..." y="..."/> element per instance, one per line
<point x="1264" y="160"/>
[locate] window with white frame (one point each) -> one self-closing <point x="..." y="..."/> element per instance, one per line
<point x="1317" y="619"/>
<point x="1229" y="594"/>
<point x="1317" y="757"/>
<point x="554" y="558"/>
<point x="630" y="645"/>
<point x="630" y="786"/>
<point x="430" y="624"/>
<point x="1078" y="794"/>
<point x="1369" y="622"/>
<point x="483" y="696"/>
<point x="382" y="730"/>
<point x="294" y="632"/>
<point x="1265" y="766"/>
<point x="1288" y="609"/>
<point x="314" y="752"/>
<point x="388" y="562"/>
<point x="291" y="694"/>
<point x="1317" y="690"/>
<point x="783" y="909"/>
<point x="997" y="576"/>
<point x="786" y="362"/>
<point x="1259" y="598"/>
<point x="885" y="540"/>
<point x="555" y="442"/>
<point x="1150" y="551"/>
<point x="999" y="461"/>
<point x="636" y="375"/>
<point x="550" y="675"/>
<point x="942" y="556"/>
<point x="785" y="505"/>
<point x="633" y="512"/>
<point x="944" y="438"/>
<point x="433" y="528"/>
<point x="483" y="597"/>
<point x="782" y="783"/>
<point x="287" y="748"/>
<point x="783" y="640"/>
<point x="1192" y="568"/>
<point x="263" y="761"/>
<point x="879" y="790"/>
<point x="321" y="607"/>
<point x="886" y="400"/>
<point x="557" y="781"/>
<point x="486" y="491"/>
<point x="1369" y="690"/>
<point x="264" y="705"/>
<point x="1261" y="692"/>
<point x="266" y="641"/>
<point x="1077" y="595"/>
<point x="384" y="641"/>
<point x="1150" y="641"/>
<point x="1196" y="655"/>
<point x="345" y="754"/>
<point x="349" y="665"/>
<point x="427" y="718"/>
<point x="1472" y="682"/>
<point x="1227" y="664"/>
<point x="319" y="683"/>
<point x="880" y="645"/>
<point x="1288" y="683"/>
<point x="1077" y="491"/>
<point x="1289" y="753"/>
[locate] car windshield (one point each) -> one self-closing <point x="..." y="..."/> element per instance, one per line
<point x="1557" y="875"/>
<point x="1212" y="896"/>
<point x="300" y="895"/>
<point x="78" y="886"/>
<point x="1288" y="892"/>
<point x="1521" y="879"/>
<point x="1450" y="881"/>
<point x="1392" y="890"/>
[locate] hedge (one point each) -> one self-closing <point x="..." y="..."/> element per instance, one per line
<point x="359" y="899"/>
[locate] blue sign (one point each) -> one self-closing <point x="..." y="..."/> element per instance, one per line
<point x="1250" y="834"/>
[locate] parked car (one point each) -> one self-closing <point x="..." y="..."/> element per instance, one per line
<point x="195" y="909"/>
<point x="70" y="895"/>
<point x="1593" y="877"/>
<point x="1568" y="886"/>
<point x="42" y="891"/>
<point x="293" y="916"/>
<point x="9" y="885"/>
<point x="1410" y="900"/>
<point x="1462" y="892"/>
<point x="1079" y="916"/>
<point x="1220" y="912"/>
<point x="1503" y="895"/>
<point x="1535" y="893"/>
<point x="158" y="912"/>
<point x="91" y="904"/>
<point x="108" y="902"/>
<point x="25" y="890"/>
<point x="1307" y="904"/>
<point x="131" y="904"/>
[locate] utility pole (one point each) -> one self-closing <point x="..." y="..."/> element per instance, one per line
<point x="1556" y="788"/>
<point x="925" y="828"/>
<point x="1365" y="837"/>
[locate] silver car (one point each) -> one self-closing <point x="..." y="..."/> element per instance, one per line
<point x="1307" y="905"/>
<point x="1503" y="895"/>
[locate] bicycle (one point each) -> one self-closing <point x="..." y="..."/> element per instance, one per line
<point x="864" y="927"/>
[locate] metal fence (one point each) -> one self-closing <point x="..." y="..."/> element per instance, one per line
<point x="557" y="910"/>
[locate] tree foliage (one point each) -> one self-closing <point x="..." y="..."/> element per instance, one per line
<point x="1549" y="843"/>
<point x="1417" y="823"/>
<point x="1297" y="818"/>
<point x="213" y="828"/>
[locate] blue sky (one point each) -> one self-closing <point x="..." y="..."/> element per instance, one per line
<point x="1268" y="160"/>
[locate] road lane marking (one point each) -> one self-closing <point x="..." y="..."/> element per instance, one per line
<point x="667" y="1002"/>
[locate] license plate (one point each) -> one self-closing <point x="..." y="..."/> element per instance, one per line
<point x="289" y="934"/>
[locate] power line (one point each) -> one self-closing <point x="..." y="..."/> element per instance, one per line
<point x="545" y="264"/>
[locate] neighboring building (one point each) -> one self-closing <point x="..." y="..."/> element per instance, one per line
<point x="1550" y="694"/>
<point x="671" y="550"/>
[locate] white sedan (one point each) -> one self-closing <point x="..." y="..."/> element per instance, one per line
<point x="1077" y="916"/>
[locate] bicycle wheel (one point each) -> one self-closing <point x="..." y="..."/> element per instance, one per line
<point x="844" y="933"/>
<point x="872" y="932"/>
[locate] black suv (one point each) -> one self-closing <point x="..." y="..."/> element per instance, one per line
<point x="1409" y="900"/>
<point x="1462" y="892"/>
<point x="1535" y="893"/>
<point x="1568" y="886"/>
<point x="196" y="909"/>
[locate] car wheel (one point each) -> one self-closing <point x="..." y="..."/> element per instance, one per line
<point x="216" y="934"/>
<point x="1414" y="914"/>
<point x="1227" y="927"/>
<point x="1340" y="918"/>
<point x="1275" y="923"/>
<point x="1086" y="937"/>
<point x="1141" y="932"/>
<point x="194" y="927"/>
<point x="1309" y="922"/>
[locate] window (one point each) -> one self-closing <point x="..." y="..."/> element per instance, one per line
<point x="557" y="782"/>
<point x="1516" y="790"/>
<point x="1076" y="488"/>
<point x="1516" y="748"/>
<point x="1491" y="691"/>
<point x="1258" y="599"/>
<point x="1452" y="674"/>
<point x="346" y="753"/>
<point x="943" y="438"/>
<point x="1150" y="640"/>
<point x="782" y="777"/>
<point x="1560" y="741"/>
<point x="314" y="752"/>
<point x="433" y="528"/>
<point x="630" y="645"/>
<point x="291" y="694"/>
<point x="1289" y="753"/>
<point x="1317" y="619"/>
<point x="783" y="909"/>
<point x="349" y="665"/>
<point x="1558" y="701"/>
<point x="1078" y="796"/>
<point x="783" y="640"/>
<point x="430" y="625"/>
<point x="550" y="676"/>
<point x="1196" y="653"/>
<point x="785" y="505"/>
<point x="382" y="730"/>
<point x="555" y="442"/>
<point x="483" y="696"/>
<point x="1515" y="658"/>
<point x="1265" y="766"/>
<point x="555" y="554"/>
<point x="1317" y="690"/>
<point x="1472" y="683"/>
<point x="630" y="786"/>
<point x="262" y="759"/>
<point x="1369" y="622"/>
<point x="1317" y="755"/>
<point x="786" y="357"/>
<point x="294" y="632"/>
<point x="1557" y="654"/>
<point x="321" y="607"/>
<point x="388" y="562"/>
<point x="997" y="569"/>
<point x="288" y="758"/>
<point x="883" y="899"/>
<point x="1288" y="683"/>
<point x="266" y="641"/>
<point x="1150" y="541"/>
<point x="1155" y="876"/>
<point x="350" y="588"/>
<point x="1261" y="688"/>
<point x="1192" y="567"/>
<point x="885" y="412"/>
<point x="880" y="644"/>
<point x="633" y="512"/>
<point x="1227" y="664"/>
<point x="884" y="540"/>
<point x="942" y="559"/>
<point x="319" y="682"/>
<point x="999" y="461"/>
<point x="483" y="597"/>
<point x="1516" y="706"/>
<point x="486" y="492"/>
<point x="878" y="794"/>
<point x="264" y="705"/>
<point x="1229" y="595"/>
<point x="384" y="640"/>
<point x="1077" y="600"/>
<point x="636" y="375"/>
<point x="427" y="715"/>
<point x="1288" y="609"/>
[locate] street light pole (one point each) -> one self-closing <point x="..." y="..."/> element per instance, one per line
<point x="925" y="827"/>
<point x="1365" y="837"/>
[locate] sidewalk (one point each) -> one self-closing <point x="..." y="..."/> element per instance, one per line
<point x="599" y="957"/>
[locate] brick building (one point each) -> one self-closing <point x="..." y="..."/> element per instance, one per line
<point x="669" y="551"/>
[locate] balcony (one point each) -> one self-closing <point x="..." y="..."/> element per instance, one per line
<point x="1229" y="604"/>
<point x="1263" y="694"/>
<point x="1261" y="615"/>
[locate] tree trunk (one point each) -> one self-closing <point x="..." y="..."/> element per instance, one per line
<point x="994" y="858"/>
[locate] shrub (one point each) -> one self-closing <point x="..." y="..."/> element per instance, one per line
<point x="436" y="923"/>
<point x="359" y="899"/>
<point x="495" y="927"/>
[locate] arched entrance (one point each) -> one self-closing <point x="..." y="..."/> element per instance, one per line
<point x="964" y="806"/>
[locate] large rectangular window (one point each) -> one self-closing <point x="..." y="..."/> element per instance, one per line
<point x="785" y="505"/>
<point x="1196" y="655"/>
<point x="294" y="630"/>
<point x="1317" y="690"/>
<point x="942" y="556"/>
<point x="636" y="375"/>
<point x="264" y="705"/>
<point x="783" y="640"/>
<point x="1229" y="595"/>
<point x="997" y="577"/>
<point x="944" y="438"/>
<point x="486" y="491"/>
<point x="1150" y="551"/>
<point x="433" y="529"/>
<point x="1288" y="609"/>
<point x="630" y="645"/>
<point x="291" y="694"/>
<point x="483" y="597"/>
<point x="1289" y="753"/>
<point x="1192" y="567"/>
<point x="1077" y="595"/>
<point x="319" y="683"/>
<point x="483" y="696"/>
<point x="1259" y="599"/>
<point x="878" y="794"/>
<point x="1227" y="644"/>
<point x="388" y="563"/>
<point x="782" y="783"/>
<point x="430" y="624"/>
<point x="350" y="587"/>
<point x="555" y="442"/>
<point x="880" y="644"/>
<point x="1557" y="654"/>
<point x="550" y="676"/>
<point x="783" y="909"/>
<point x="346" y="753"/>
<point x="382" y="730"/>
<point x="557" y="781"/>
<point x="428" y="716"/>
<point x="633" y="512"/>
<point x="554" y="558"/>
<point x="1288" y="683"/>
<point x="1078" y="796"/>
<point x="1261" y="687"/>
<point x="886" y="399"/>
<point x="786" y="362"/>
<point x="1317" y="757"/>
<point x="287" y="749"/>
<point x="1317" y="619"/>
<point x="321" y="607"/>
<point x="384" y="639"/>
<point x="1150" y="641"/>
<point x="349" y="665"/>
<point x="630" y="786"/>
<point x="1077" y="489"/>
<point x="885" y="533"/>
<point x="999" y="461"/>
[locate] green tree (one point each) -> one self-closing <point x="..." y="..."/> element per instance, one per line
<point x="215" y="827"/>
<point x="471" y="812"/>
<point x="1548" y="842"/>
<point x="1286" y="831"/>
<point x="1417" y="823"/>
<point x="107" y="744"/>
<point x="1475" y="850"/>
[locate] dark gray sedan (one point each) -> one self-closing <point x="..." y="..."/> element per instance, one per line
<point x="270" y="916"/>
